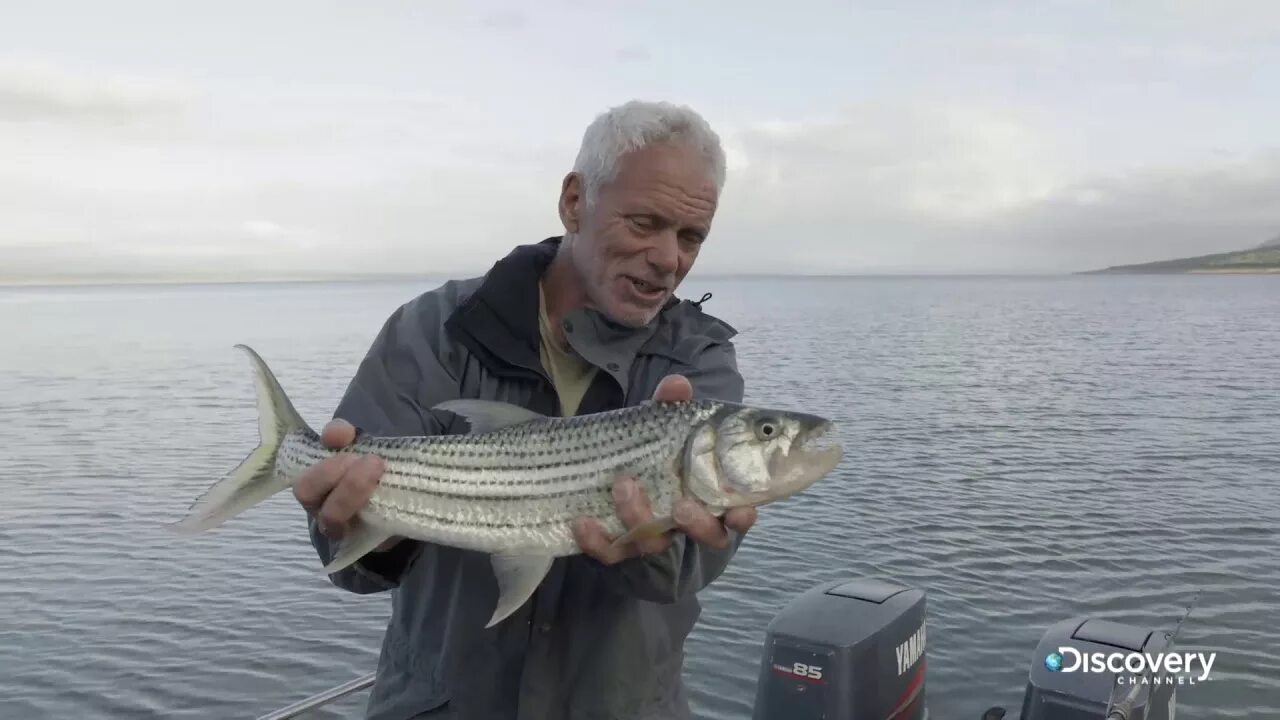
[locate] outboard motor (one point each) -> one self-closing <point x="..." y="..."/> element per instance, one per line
<point x="845" y="650"/>
<point x="1074" y="674"/>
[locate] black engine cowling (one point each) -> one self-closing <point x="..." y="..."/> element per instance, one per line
<point x="847" y="650"/>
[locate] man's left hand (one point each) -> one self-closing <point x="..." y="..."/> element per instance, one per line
<point x="634" y="510"/>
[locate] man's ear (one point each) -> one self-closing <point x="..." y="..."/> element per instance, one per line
<point x="571" y="201"/>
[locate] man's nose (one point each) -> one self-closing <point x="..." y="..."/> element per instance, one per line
<point x="665" y="253"/>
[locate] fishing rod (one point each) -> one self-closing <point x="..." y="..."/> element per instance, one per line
<point x="1121" y="710"/>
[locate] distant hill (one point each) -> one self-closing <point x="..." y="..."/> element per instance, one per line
<point x="1265" y="258"/>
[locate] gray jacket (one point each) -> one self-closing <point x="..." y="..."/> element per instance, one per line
<point x="595" y="642"/>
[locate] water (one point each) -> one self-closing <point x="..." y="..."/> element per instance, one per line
<point x="1024" y="450"/>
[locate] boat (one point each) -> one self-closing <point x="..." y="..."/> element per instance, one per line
<point x="855" y="649"/>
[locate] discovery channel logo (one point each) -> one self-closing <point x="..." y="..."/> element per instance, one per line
<point x="1149" y="669"/>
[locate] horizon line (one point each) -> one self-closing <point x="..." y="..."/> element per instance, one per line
<point x="110" y="280"/>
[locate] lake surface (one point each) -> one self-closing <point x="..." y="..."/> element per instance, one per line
<point x="1023" y="449"/>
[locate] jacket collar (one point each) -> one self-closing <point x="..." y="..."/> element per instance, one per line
<point x="499" y="321"/>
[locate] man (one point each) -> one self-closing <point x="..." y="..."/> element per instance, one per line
<point x="578" y="324"/>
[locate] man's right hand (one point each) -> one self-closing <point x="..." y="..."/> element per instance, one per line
<point x="336" y="488"/>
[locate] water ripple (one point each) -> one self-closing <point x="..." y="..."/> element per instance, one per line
<point x="1023" y="450"/>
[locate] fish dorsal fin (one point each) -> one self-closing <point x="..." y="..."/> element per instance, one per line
<point x="488" y="415"/>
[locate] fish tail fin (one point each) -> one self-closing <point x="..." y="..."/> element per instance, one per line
<point x="255" y="479"/>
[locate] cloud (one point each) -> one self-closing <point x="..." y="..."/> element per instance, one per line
<point x="37" y="90"/>
<point x="947" y="162"/>
<point x="332" y="178"/>
<point x="509" y="19"/>
<point x="877" y="184"/>
<point x="914" y="188"/>
<point x="970" y="190"/>
<point x="1227" y="22"/>
<point x="634" y="53"/>
<point x="1153" y="214"/>
<point x="290" y="216"/>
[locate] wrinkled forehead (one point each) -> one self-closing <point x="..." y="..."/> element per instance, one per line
<point x="665" y="171"/>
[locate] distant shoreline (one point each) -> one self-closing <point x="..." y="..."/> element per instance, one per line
<point x="139" y="282"/>
<point x="1191" y="271"/>
<point x="1261" y="260"/>
<point x="1234" y="271"/>
<point x="48" y="283"/>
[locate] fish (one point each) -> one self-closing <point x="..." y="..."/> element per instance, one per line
<point x="513" y="484"/>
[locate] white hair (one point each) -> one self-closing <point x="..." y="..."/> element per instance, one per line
<point x="634" y="125"/>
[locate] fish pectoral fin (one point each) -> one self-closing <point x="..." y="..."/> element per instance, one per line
<point x="518" y="577"/>
<point x="487" y="415"/>
<point x="359" y="540"/>
<point x="652" y="529"/>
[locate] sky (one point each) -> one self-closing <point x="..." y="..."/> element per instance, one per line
<point x="322" y="138"/>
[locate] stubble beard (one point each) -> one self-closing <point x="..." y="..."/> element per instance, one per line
<point x="602" y="292"/>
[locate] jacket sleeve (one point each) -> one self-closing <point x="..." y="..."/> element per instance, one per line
<point x="400" y="378"/>
<point x="686" y="567"/>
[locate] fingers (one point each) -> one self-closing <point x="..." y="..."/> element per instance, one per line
<point x="673" y="388"/>
<point x="633" y="509"/>
<point x="335" y="488"/>
<point x="596" y="543"/>
<point x="318" y="480"/>
<point x="349" y="494"/>
<point x="314" y="484"/>
<point x="700" y="525"/>
<point x="740" y="519"/>
<point x="338" y="434"/>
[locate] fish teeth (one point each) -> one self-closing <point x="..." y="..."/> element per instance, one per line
<point x="812" y="441"/>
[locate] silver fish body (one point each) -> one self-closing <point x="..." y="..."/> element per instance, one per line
<point x="519" y="488"/>
<point x="514" y="485"/>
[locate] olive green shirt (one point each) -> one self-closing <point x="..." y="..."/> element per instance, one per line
<point x="570" y="373"/>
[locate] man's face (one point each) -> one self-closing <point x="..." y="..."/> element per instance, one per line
<point x="640" y="238"/>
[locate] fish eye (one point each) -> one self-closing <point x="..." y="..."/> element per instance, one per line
<point x="766" y="428"/>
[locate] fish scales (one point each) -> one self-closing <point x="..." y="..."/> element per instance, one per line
<point x="519" y="487"/>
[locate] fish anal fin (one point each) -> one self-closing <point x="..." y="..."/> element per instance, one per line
<point x="652" y="529"/>
<point x="488" y="415"/>
<point x="518" y="578"/>
<point x="359" y="540"/>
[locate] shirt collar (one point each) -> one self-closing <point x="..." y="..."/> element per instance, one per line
<point x="499" y="321"/>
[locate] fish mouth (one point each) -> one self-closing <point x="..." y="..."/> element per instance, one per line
<point x="814" y="453"/>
